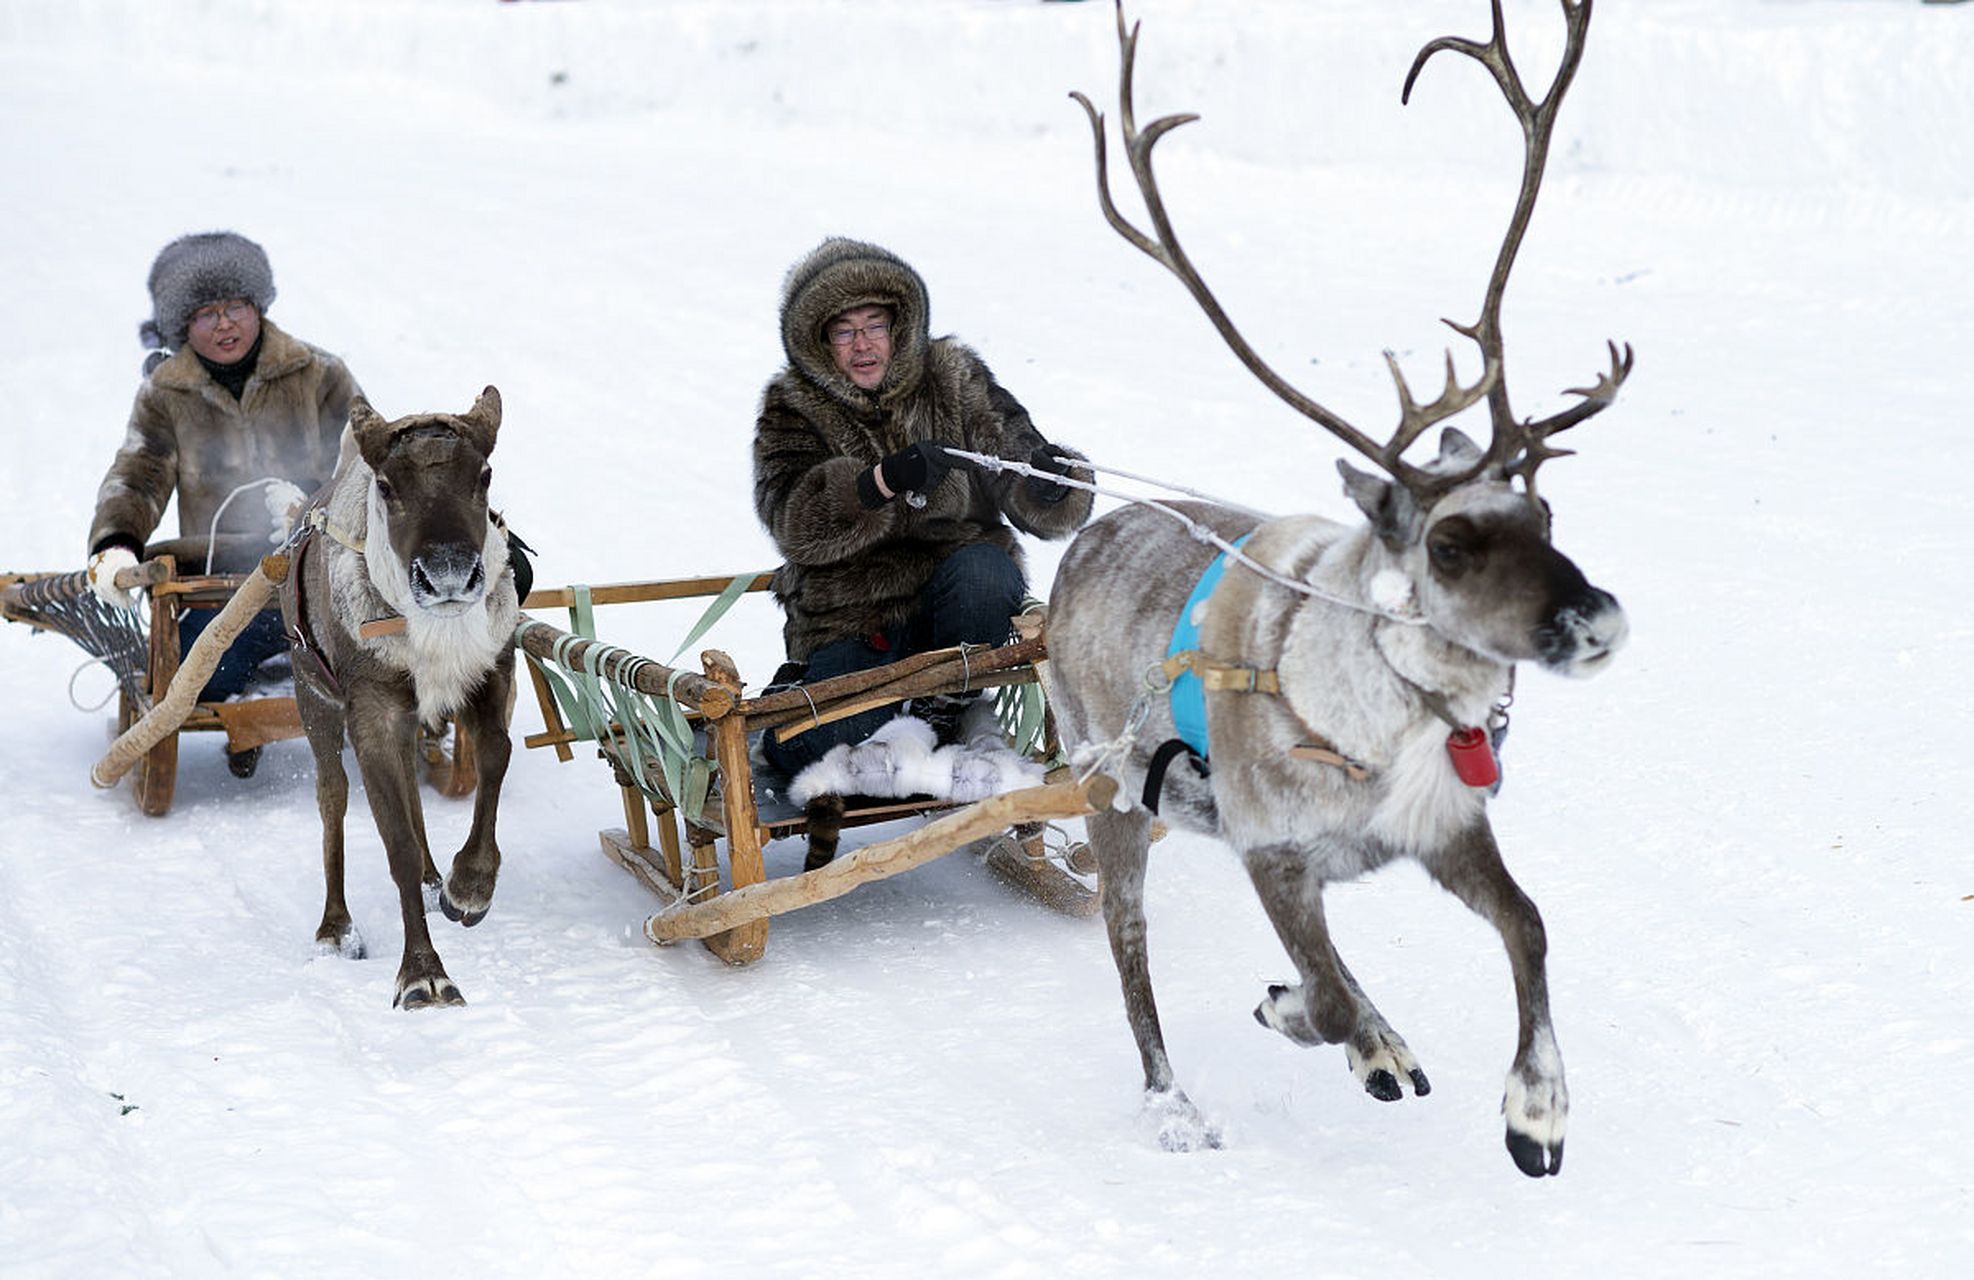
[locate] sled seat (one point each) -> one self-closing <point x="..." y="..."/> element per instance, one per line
<point x="688" y="782"/>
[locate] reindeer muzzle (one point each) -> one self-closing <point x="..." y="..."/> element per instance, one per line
<point x="1580" y="637"/>
<point x="448" y="579"/>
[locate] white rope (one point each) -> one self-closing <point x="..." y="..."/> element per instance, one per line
<point x="1231" y="505"/>
<point x="212" y="530"/>
<point x="100" y="703"/>
<point x="1199" y="531"/>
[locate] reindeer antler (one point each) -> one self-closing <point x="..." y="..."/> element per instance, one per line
<point x="1517" y="448"/>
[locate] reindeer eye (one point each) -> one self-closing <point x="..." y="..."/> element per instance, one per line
<point x="486" y="476"/>
<point x="1447" y="555"/>
<point x="384" y="489"/>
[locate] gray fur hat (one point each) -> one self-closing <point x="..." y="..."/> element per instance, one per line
<point x="197" y="270"/>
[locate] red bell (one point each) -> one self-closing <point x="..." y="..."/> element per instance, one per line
<point x="1473" y="757"/>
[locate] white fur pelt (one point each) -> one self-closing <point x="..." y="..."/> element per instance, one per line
<point x="903" y="759"/>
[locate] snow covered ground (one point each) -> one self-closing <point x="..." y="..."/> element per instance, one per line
<point x="1749" y="840"/>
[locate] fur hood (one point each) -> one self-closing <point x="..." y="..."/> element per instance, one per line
<point x="839" y="274"/>
<point x="848" y="570"/>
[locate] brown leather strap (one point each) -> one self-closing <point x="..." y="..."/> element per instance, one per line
<point x="1323" y="753"/>
<point x="1224" y="677"/>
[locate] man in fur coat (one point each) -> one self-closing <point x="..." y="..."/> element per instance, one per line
<point x="891" y="547"/>
<point x="235" y="416"/>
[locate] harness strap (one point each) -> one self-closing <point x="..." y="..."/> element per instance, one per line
<point x="318" y="519"/>
<point x="301" y="636"/>
<point x="1225" y="677"/>
<point x="1155" y="771"/>
<point x="1323" y="752"/>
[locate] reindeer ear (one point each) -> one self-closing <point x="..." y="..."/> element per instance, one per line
<point x="373" y="434"/>
<point x="1393" y="512"/>
<point x="482" y="421"/>
<point x="1457" y="449"/>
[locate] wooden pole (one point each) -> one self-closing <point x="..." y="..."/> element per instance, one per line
<point x="745" y="941"/>
<point x="169" y="711"/>
<point x="876" y="861"/>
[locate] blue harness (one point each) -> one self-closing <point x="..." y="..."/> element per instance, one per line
<point x="1188" y="694"/>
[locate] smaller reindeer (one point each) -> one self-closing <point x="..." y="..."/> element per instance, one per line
<point x="1346" y="677"/>
<point x="402" y="615"/>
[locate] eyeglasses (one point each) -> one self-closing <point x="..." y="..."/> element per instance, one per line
<point x="207" y="318"/>
<point x="843" y="336"/>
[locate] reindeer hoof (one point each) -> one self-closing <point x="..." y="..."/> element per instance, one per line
<point x="1179" y="1123"/>
<point x="345" y="942"/>
<point x="428" y="993"/>
<point x="1532" y="1157"/>
<point x="1285" y="1012"/>
<point x="1537" y="1111"/>
<point x="457" y="914"/>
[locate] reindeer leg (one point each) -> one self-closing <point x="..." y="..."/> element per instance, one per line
<point x="323" y="722"/>
<point x="385" y="738"/>
<point x="1326" y="1006"/>
<point x="1122" y="843"/>
<point x="1536" y="1102"/>
<point x="428" y="874"/>
<point x="469" y="890"/>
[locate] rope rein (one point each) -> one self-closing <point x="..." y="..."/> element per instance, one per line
<point x="1199" y="531"/>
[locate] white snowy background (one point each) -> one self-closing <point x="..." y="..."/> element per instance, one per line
<point x="1749" y="840"/>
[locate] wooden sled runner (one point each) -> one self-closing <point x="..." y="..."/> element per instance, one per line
<point x="703" y="785"/>
<point x="142" y="650"/>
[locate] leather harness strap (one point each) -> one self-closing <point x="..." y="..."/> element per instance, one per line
<point x="301" y="636"/>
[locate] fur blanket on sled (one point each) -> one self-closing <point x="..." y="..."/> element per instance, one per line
<point x="904" y="759"/>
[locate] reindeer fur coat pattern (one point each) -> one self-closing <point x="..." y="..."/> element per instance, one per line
<point x="188" y="434"/>
<point x="850" y="571"/>
<point x="346" y="586"/>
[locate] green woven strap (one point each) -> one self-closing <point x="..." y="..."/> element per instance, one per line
<point x="627" y="724"/>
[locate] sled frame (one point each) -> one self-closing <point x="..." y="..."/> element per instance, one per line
<point x="679" y="860"/>
<point x="247" y="722"/>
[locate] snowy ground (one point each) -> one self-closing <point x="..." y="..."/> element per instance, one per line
<point x="1749" y="840"/>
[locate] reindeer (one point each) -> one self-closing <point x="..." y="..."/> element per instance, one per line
<point x="402" y="615"/>
<point x="1333" y="661"/>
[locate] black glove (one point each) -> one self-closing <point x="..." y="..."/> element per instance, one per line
<point x="916" y="469"/>
<point x="1043" y="458"/>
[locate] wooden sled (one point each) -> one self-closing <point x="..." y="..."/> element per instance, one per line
<point x="730" y="913"/>
<point x="38" y="599"/>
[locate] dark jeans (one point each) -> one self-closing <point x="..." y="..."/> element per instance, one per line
<point x="969" y="600"/>
<point x="261" y="639"/>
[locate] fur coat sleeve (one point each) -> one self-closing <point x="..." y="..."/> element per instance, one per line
<point x="189" y="436"/>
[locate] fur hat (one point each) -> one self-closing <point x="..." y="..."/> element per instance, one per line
<point x="198" y="270"/>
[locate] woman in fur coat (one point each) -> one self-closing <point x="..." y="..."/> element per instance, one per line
<point x="890" y="547"/>
<point x="230" y="401"/>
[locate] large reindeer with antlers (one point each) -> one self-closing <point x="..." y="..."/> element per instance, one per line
<point x="1336" y="686"/>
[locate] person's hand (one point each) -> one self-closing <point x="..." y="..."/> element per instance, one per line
<point x="103" y="569"/>
<point x="917" y="468"/>
<point x="284" y="502"/>
<point x="1043" y="458"/>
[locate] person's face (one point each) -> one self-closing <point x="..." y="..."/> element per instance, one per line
<point x="860" y="342"/>
<point x="224" y="332"/>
